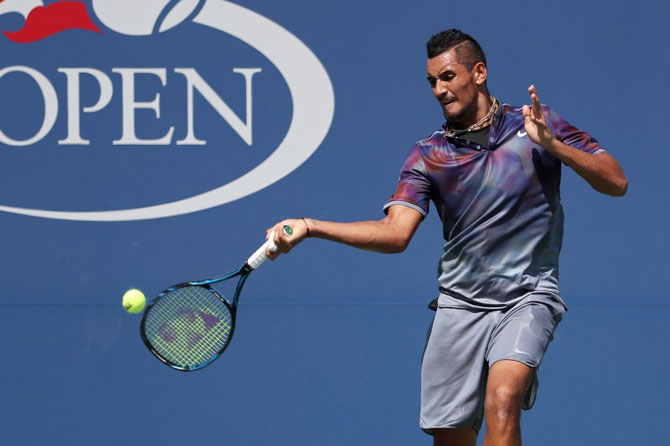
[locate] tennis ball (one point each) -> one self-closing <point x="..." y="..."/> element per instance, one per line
<point x="134" y="301"/>
<point x="141" y="17"/>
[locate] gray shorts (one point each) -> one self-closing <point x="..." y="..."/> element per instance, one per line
<point x="463" y="344"/>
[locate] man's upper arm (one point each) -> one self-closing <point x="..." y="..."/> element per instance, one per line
<point x="571" y="135"/>
<point x="405" y="220"/>
<point x="413" y="189"/>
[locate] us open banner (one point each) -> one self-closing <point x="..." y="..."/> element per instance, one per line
<point x="311" y="108"/>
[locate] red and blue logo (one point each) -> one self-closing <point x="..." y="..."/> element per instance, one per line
<point x="44" y="21"/>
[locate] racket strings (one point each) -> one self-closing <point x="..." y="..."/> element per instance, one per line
<point x="189" y="326"/>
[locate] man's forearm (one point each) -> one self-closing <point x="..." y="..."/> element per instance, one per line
<point x="390" y="235"/>
<point x="601" y="171"/>
<point x="377" y="236"/>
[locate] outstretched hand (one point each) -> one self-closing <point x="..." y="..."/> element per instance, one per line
<point x="283" y="241"/>
<point x="535" y="122"/>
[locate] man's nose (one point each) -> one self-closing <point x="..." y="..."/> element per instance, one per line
<point x="440" y="88"/>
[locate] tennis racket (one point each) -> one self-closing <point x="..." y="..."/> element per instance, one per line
<point x="190" y="324"/>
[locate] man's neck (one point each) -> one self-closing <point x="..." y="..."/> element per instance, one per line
<point x="480" y="110"/>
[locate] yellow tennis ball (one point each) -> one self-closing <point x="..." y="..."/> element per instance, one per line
<point x="134" y="301"/>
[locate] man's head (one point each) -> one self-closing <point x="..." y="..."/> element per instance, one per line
<point x="457" y="73"/>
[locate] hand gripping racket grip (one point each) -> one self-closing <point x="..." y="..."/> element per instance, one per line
<point x="257" y="258"/>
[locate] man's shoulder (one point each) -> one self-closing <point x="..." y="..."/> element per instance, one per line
<point x="513" y="110"/>
<point x="435" y="138"/>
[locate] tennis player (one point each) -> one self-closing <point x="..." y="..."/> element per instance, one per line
<point x="493" y="174"/>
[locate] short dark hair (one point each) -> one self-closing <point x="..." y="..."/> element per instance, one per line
<point x="468" y="51"/>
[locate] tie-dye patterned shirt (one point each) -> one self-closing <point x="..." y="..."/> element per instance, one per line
<point x="500" y="208"/>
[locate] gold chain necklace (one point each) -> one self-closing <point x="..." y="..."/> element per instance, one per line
<point x="450" y="131"/>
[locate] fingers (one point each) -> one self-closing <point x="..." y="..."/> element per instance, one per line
<point x="284" y="242"/>
<point x="274" y="231"/>
<point x="278" y="242"/>
<point x="535" y="103"/>
<point x="535" y="121"/>
<point x="537" y="109"/>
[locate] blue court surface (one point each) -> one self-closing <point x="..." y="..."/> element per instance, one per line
<point x="309" y="374"/>
<point x="318" y="105"/>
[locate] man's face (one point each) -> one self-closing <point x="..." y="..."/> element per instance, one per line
<point x="453" y="85"/>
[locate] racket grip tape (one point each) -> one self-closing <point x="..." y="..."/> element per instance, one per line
<point x="258" y="257"/>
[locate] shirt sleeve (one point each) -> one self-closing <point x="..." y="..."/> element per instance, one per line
<point x="413" y="188"/>
<point x="571" y="135"/>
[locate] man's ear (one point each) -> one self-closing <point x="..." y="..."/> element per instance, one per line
<point x="480" y="73"/>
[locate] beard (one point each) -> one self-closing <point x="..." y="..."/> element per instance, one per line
<point x="468" y="112"/>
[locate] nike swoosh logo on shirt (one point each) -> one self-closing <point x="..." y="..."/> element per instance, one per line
<point x="521" y="134"/>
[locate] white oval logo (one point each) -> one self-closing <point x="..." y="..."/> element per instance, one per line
<point x="307" y="80"/>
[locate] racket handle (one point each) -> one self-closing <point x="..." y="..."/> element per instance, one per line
<point x="257" y="258"/>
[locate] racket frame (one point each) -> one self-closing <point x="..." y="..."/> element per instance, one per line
<point x="253" y="262"/>
<point x="242" y="271"/>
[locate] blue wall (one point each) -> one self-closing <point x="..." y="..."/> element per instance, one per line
<point x="328" y="344"/>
